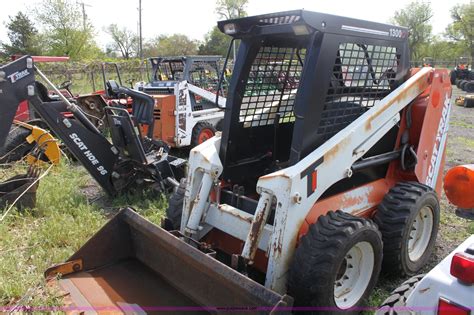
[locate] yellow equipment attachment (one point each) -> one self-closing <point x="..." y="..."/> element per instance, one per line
<point x="47" y="145"/>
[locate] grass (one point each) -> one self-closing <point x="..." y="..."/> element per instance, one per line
<point x="460" y="123"/>
<point x="64" y="218"/>
<point x="70" y="209"/>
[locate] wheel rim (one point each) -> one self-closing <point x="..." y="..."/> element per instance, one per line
<point x="204" y="135"/>
<point x="420" y="233"/>
<point x="354" y="275"/>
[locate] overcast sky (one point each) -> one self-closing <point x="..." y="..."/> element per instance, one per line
<point x="196" y="17"/>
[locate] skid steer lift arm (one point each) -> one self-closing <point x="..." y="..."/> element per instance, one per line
<point x="116" y="166"/>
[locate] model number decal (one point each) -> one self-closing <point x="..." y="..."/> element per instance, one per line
<point x="396" y="32"/>
<point x="87" y="153"/>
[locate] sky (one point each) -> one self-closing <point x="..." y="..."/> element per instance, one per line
<point x="195" y="18"/>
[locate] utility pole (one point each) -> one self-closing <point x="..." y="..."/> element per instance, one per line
<point x="84" y="15"/>
<point x="140" y="40"/>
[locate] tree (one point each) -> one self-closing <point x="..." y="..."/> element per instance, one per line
<point x="215" y="43"/>
<point x="67" y="31"/>
<point x="23" y="36"/>
<point x="124" y="39"/>
<point x="173" y="45"/>
<point x="415" y="16"/>
<point x="462" y="28"/>
<point x="231" y="9"/>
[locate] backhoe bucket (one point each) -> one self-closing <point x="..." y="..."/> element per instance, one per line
<point x="20" y="190"/>
<point x="134" y="266"/>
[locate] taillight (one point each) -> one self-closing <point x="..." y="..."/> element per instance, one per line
<point x="462" y="267"/>
<point x="446" y="307"/>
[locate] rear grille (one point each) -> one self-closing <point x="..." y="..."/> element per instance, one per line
<point x="157" y="113"/>
<point x="271" y="86"/>
<point x="282" y="19"/>
<point x="362" y="76"/>
<point x="152" y="91"/>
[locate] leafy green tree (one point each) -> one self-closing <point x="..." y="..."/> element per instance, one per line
<point x="66" y="30"/>
<point x="124" y="40"/>
<point x="461" y="29"/>
<point x="231" y="9"/>
<point x="215" y="43"/>
<point x="23" y="36"/>
<point x="173" y="45"/>
<point x="416" y="17"/>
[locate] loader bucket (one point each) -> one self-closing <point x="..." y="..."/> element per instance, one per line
<point x="132" y="265"/>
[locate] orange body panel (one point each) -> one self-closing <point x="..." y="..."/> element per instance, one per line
<point x="433" y="122"/>
<point x="428" y="114"/>
<point x="165" y="120"/>
<point x="459" y="185"/>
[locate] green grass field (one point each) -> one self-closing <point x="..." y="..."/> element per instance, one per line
<point x="62" y="221"/>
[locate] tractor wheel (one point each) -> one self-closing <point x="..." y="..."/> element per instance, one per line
<point x="469" y="102"/>
<point x="453" y="76"/>
<point x="458" y="83"/>
<point x="408" y="218"/>
<point x="16" y="146"/>
<point x="396" y="303"/>
<point x="175" y="208"/>
<point x="463" y="84"/>
<point x="469" y="87"/>
<point x="201" y="132"/>
<point x="336" y="264"/>
<point x="220" y="125"/>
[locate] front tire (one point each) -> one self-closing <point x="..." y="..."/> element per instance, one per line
<point x="16" y="147"/>
<point x="396" y="303"/>
<point x="408" y="218"/>
<point x="337" y="263"/>
<point x="202" y="132"/>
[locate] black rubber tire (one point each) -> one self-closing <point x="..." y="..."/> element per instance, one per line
<point x="220" y="125"/>
<point x="469" y="102"/>
<point x="395" y="217"/>
<point x="16" y="146"/>
<point x="398" y="298"/>
<point x="453" y="76"/>
<point x="469" y="87"/>
<point x="463" y="84"/>
<point x="320" y="255"/>
<point x="175" y="208"/>
<point x="457" y="83"/>
<point x="198" y="129"/>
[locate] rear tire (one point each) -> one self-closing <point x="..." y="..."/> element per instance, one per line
<point x="202" y="132"/>
<point x="469" y="87"/>
<point x="408" y="218"/>
<point x="175" y="208"/>
<point x="16" y="146"/>
<point x="337" y="263"/>
<point x="396" y="303"/>
<point x="463" y="84"/>
<point x="453" y="76"/>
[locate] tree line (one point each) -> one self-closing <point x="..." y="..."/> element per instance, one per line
<point x="60" y="27"/>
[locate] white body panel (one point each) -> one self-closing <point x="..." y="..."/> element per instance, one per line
<point x="439" y="283"/>
<point x="288" y="187"/>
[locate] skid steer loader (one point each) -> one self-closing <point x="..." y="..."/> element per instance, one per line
<point x="187" y="111"/>
<point x="131" y="161"/>
<point x="326" y="171"/>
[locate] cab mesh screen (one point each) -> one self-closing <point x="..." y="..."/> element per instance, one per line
<point x="362" y="76"/>
<point x="271" y="86"/>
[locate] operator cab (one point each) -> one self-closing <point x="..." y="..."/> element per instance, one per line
<point x="290" y="94"/>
